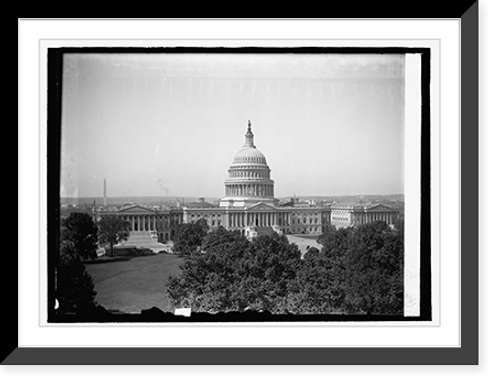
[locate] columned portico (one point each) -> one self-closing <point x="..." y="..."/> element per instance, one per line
<point x="141" y="219"/>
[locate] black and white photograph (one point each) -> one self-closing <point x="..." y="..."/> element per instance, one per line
<point x="238" y="185"/>
<point x="247" y="192"/>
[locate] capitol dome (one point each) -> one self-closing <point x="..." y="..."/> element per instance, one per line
<point x="249" y="177"/>
<point x="248" y="155"/>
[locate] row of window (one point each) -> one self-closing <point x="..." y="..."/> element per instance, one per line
<point x="341" y="212"/>
<point x="304" y="220"/>
<point x="301" y="230"/>
<point x="304" y="214"/>
<point x="250" y="160"/>
<point x="249" y="174"/>
<point x="205" y="215"/>
<point x="249" y="190"/>
<point x="163" y="222"/>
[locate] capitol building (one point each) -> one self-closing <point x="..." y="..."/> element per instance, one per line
<point x="249" y="207"/>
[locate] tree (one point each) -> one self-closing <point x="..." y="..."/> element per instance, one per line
<point x="223" y="240"/>
<point x="74" y="286"/>
<point x="358" y="270"/>
<point x="326" y="275"/>
<point x="374" y="270"/>
<point x="112" y="230"/>
<point x="233" y="274"/>
<point x="366" y="267"/>
<point x="79" y="229"/>
<point x="274" y="257"/>
<point x="319" y="286"/>
<point x="335" y="243"/>
<point x="189" y="237"/>
<point x="312" y="252"/>
<point x="206" y="277"/>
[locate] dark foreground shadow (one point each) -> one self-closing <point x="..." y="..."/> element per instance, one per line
<point x="156" y="315"/>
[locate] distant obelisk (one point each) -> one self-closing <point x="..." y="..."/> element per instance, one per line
<point x="104" y="198"/>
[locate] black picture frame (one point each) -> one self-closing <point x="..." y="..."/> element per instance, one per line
<point x="154" y="315"/>
<point x="467" y="353"/>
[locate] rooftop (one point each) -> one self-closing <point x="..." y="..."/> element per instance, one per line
<point x="200" y="203"/>
<point x="359" y="205"/>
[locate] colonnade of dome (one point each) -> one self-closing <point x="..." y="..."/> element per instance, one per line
<point x="260" y="190"/>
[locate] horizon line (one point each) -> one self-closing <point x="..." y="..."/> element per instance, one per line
<point x="201" y="196"/>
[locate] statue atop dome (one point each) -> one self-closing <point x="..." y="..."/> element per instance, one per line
<point x="249" y="136"/>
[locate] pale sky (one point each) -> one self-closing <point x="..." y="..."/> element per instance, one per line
<point x="170" y="124"/>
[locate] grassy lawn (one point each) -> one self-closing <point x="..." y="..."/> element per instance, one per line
<point x="131" y="285"/>
<point x="306" y="236"/>
<point x="134" y="284"/>
<point x="304" y="240"/>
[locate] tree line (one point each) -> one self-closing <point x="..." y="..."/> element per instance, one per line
<point x="79" y="241"/>
<point x="357" y="270"/>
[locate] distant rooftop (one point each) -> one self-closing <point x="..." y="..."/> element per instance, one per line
<point x="200" y="203"/>
<point x="358" y="205"/>
<point x="349" y="204"/>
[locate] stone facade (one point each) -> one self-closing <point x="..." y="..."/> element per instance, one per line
<point x="354" y="214"/>
<point x="249" y="206"/>
<point x="161" y="224"/>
